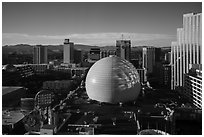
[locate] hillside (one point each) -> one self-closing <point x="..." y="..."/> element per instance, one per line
<point x="28" y="49"/>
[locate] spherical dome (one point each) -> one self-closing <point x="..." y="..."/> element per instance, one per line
<point x="152" y="132"/>
<point x="113" y="80"/>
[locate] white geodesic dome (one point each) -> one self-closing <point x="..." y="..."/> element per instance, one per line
<point x="113" y="80"/>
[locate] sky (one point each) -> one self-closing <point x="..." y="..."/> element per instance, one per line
<point x="98" y="23"/>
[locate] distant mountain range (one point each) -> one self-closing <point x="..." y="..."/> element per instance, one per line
<point x="28" y="49"/>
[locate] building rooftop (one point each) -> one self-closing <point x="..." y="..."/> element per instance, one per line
<point x="6" y="90"/>
<point x="11" y="117"/>
<point x="152" y="132"/>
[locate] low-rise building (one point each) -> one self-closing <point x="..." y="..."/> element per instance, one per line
<point x="151" y="117"/>
<point x="24" y="70"/>
<point x="107" y="53"/>
<point x="58" y="85"/>
<point x="11" y="95"/>
<point x="94" y="55"/>
<point x="39" y="68"/>
<point x="79" y="71"/>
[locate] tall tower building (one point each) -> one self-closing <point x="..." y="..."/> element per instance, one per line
<point x="68" y="52"/>
<point x="148" y="58"/>
<point x="187" y="49"/>
<point x="123" y="49"/>
<point x="40" y="54"/>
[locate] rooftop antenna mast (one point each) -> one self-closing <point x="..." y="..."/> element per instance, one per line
<point x="122" y="36"/>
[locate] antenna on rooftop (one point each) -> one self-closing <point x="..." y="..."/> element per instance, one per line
<point x="122" y="36"/>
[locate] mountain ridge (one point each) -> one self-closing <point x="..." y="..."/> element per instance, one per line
<point x="28" y="49"/>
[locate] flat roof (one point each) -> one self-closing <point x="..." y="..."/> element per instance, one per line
<point x="79" y="68"/>
<point x="11" y="117"/>
<point x="6" y="90"/>
<point x="60" y="81"/>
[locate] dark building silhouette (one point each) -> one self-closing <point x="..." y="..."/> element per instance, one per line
<point x="123" y="49"/>
<point x="94" y="55"/>
<point x="77" y="56"/>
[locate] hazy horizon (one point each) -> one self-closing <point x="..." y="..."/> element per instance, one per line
<point x="93" y="23"/>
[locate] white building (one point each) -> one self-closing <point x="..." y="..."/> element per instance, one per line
<point x="187" y="49"/>
<point x="68" y="52"/>
<point x="148" y="58"/>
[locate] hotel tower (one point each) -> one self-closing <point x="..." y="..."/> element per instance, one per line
<point x="187" y="49"/>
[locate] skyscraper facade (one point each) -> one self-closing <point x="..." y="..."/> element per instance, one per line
<point x="123" y="49"/>
<point x="193" y="86"/>
<point x="187" y="49"/>
<point x="77" y="56"/>
<point x="142" y="74"/>
<point x="165" y="75"/>
<point x="148" y="58"/>
<point x="68" y="52"/>
<point x="40" y="54"/>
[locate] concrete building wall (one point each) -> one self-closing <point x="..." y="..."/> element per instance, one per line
<point x="68" y="52"/>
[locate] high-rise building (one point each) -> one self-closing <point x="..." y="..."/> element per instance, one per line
<point x="165" y="75"/>
<point x="123" y="49"/>
<point x="136" y="57"/>
<point x="68" y="52"/>
<point x="135" y="63"/>
<point x="148" y="58"/>
<point x="157" y="54"/>
<point x="142" y="74"/>
<point x="193" y="85"/>
<point x="77" y="56"/>
<point x="167" y="57"/>
<point x="157" y="66"/>
<point x="40" y="54"/>
<point x="187" y="49"/>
